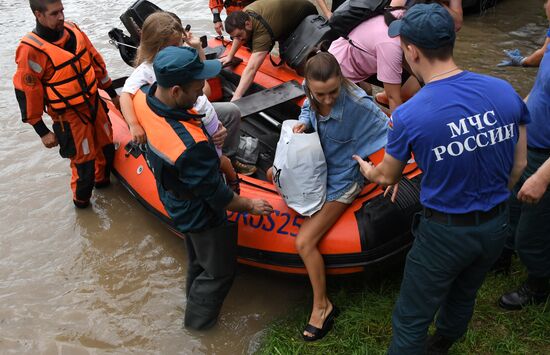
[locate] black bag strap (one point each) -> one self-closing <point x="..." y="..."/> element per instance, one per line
<point x="386" y="9"/>
<point x="264" y="23"/>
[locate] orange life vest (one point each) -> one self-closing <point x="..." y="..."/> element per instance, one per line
<point x="230" y="5"/>
<point x="161" y="135"/>
<point x="73" y="81"/>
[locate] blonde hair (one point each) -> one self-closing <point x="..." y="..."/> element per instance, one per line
<point x="158" y="30"/>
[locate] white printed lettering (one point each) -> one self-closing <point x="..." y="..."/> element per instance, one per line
<point x="467" y="145"/>
<point x="458" y="130"/>
<point x="495" y="134"/>
<point x="475" y="121"/>
<point x="478" y="140"/>
<point x="509" y="131"/>
<point x="459" y="146"/>
<point x="486" y="118"/>
<point x="438" y="151"/>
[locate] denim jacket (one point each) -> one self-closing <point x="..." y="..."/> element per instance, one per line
<point x="355" y="125"/>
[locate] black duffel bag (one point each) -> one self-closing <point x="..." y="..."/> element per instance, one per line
<point x="295" y="49"/>
<point x="352" y="12"/>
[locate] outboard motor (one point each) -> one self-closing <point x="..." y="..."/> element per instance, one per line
<point x="132" y="19"/>
<point x="126" y="46"/>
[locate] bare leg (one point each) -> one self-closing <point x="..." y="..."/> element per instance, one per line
<point x="311" y="232"/>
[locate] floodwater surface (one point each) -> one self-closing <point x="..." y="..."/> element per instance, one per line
<point x="110" y="279"/>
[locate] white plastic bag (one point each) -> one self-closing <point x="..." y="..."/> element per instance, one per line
<point x="300" y="170"/>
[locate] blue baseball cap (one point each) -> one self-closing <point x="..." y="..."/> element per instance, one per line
<point x="180" y="65"/>
<point x="428" y="26"/>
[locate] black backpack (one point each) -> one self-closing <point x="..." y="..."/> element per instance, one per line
<point x="313" y="30"/>
<point x="352" y="12"/>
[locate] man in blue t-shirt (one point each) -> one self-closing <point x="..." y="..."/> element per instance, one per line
<point x="467" y="134"/>
<point x="532" y="234"/>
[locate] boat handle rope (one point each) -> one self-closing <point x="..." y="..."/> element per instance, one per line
<point x="224" y="42"/>
<point x="117" y="44"/>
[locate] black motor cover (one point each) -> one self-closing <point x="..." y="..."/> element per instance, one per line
<point x="134" y="17"/>
<point x="126" y="46"/>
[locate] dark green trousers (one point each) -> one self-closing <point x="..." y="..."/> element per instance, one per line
<point x="212" y="261"/>
<point x="444" y="269"/>
<point x="532" y="224"/>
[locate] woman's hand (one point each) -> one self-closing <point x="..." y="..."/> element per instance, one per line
<point x="191" y="40"/>
<point x="299" y="128"/>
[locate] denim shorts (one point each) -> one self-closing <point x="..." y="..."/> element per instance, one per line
<point x="350" y="195"/>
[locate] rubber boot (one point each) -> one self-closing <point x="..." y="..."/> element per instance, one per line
<point x="533" y="291"/>
<point x="438" y="344"/>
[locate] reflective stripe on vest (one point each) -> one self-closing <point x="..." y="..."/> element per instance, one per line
<point x="73" y="81"/>
<point x="162" y="137"/>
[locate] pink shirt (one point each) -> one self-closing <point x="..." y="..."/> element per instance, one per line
<point x="380" y="54"/>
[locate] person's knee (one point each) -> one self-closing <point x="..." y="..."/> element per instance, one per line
<point x="304" y="246"/>
<point x="229" y="114"/>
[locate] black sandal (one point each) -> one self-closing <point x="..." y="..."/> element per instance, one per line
<point x="327" y="326"/>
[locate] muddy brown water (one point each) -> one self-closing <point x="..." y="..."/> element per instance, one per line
<point x="110" y="279"/>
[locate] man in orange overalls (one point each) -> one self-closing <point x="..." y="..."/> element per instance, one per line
<point x="216" y="6"/>
<point x="59" y="72"/>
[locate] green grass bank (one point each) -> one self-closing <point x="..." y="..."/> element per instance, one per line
<point x="364" y="325"/>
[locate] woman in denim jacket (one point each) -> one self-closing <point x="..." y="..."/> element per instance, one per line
<point x="348" y="122"/>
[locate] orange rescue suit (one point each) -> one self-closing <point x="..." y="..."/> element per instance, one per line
<point x="73" y="81"/>
<point x="216" y="6"/>
<point x="62" y="78"/>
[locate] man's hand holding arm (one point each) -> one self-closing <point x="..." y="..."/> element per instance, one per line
<point x="218" y="138"/>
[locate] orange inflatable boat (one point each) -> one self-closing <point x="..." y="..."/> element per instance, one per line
<point x="372" y="229"/>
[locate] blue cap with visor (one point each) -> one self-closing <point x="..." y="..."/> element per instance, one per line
<point x="180" y="65"/>
<point x="428" y="26"/>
